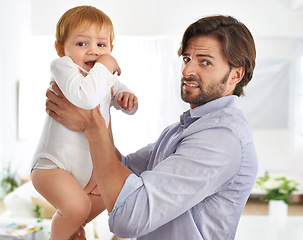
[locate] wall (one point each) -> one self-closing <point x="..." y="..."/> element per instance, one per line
<point x="280" y="149"/>
<point x="271" y="19"/>
<point x="15" y="30"/>
<point x="267" y="18"/>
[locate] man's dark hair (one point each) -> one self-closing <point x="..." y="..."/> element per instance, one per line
<point x="237" y="43"/>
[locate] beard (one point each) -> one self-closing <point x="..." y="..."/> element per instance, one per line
<point x="207" y="92"/>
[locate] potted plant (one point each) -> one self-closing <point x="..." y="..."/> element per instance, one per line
<point x="277" y="193"/>
<point x="277" y="188"/>
<point x="10" y="181"/>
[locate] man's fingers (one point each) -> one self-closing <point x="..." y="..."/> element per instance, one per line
<point x="79" y="235"/>
<point x="52" y="109"/>
<point x="53" y="97"/>
<point x="53" y="115"/>
<point x="56" y="89"/>
<point x="63" y="111"/>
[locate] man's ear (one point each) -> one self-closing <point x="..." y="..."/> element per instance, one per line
<point x="59" y="49"/>
<point x="237" y="74"/>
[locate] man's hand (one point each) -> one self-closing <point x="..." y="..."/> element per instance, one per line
<point x="79" y="235"/>
<point x="64" y="112"/>
<point x="127" y="100"/>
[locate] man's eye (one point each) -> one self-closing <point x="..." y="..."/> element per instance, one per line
<point x="81" y="44"/>
<point x="206" y="63"/>
<point x="186" y="59"/>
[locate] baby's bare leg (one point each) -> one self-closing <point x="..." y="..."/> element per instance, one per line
<point x="62" y="191"/>
<point x="97" y="206"/>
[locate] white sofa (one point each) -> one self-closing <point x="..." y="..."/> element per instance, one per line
<point x="20" y="205"/>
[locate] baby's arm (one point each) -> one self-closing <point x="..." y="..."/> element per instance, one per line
<point x="127" y="100"/>
<point x="110" y="63"/>
<point x="124" y="99"/>
<point x="83" y="91"/>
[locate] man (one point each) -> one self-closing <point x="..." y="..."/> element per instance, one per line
<point x="194" y="181"/>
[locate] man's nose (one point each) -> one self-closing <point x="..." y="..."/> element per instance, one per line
<point x="189" y="69"/>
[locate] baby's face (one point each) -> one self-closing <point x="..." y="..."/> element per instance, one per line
<point x="85" y="45"/>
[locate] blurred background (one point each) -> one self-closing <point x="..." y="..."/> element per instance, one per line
<point x="148" y="35"/>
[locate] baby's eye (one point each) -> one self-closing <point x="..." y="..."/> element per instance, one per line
<point x="101" y="45"/>
<point x="186" y="59"/>
<point x="81" y="44"/>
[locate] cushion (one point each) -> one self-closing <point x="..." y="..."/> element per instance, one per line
<point x="22" y="201"/>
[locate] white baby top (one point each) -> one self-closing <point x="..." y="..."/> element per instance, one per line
<point x="69" y="150"/>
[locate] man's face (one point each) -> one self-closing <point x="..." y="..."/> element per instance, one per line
<point x="206" y="72"/>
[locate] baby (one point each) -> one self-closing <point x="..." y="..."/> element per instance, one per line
<point x="62" y="167"/>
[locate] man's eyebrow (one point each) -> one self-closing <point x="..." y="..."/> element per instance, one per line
<point x="204" y="55"/>
<point x="198" y="55"/>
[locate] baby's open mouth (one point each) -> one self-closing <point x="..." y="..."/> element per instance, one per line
<point x="90" y="63"/>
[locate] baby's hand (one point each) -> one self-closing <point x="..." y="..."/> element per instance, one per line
<point x="127" y="100"/>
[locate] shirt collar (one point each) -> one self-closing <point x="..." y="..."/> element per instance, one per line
<point x="192" y="115"/>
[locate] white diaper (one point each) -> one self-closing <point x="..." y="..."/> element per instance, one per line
<point x="61" y="148"/>
<point x="45" y="163"/>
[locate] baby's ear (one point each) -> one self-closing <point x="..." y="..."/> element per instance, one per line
<point x="59" y="49"/>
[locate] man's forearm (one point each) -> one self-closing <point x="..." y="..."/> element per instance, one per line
<point x="110" y="173"/>
<point x="110" y="133"/>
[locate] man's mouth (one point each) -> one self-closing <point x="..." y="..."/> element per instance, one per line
<point x="194" y="85"/>
<point x="188" y="85"/>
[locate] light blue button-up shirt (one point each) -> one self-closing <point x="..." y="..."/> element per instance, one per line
<point x="193" y="182"/>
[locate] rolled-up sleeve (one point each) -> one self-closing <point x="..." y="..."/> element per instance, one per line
<point x="138" y="161"/>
